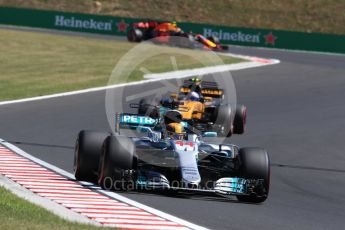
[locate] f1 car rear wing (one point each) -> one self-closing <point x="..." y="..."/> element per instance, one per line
<point x="133" y="121"/>
<point x="208" y="88"/>
<point x="204" y="84"/>
<point x="205" y="92"/>
<point x="145" y="25"/>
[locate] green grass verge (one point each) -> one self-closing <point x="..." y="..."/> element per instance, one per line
<point x="16" y="213"/>
<point x="35" y="64"/>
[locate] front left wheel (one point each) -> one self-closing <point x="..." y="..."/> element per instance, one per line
<point x="86" y="155"/>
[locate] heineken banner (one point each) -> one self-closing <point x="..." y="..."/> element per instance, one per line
<point x="64" y="21"/>
<point x="118" y="26"/>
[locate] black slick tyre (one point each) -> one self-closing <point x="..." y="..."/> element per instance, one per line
<point x="86" y="155"/>
<point x="117" y="156"/>
<point x="224" y="120"/>
<point x="134" y="35"/>
<point x="240" y="119"/>
<point x="254" y="164"/>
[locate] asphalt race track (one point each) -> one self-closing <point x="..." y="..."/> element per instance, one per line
<point x="295" y="110"/>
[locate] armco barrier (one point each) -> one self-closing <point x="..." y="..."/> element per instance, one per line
<point x="118" y="26"/>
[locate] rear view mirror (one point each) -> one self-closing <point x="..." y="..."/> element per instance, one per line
<point x="209" y="134"/>
<point x="143" y="129"/>
<point x="134" y="105"/>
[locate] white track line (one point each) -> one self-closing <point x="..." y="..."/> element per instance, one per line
<point x="98" y="206"/>
<point x="93" y="210"/>
<point x="212" y="69"/>
<point x="26" y="174"/>
<point x="96" y="215"/>
<point x="253" y="62"/>
<point x="150" y="227"/>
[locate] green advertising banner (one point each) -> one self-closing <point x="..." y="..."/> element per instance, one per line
<point x="118" y="26"/>
<point x="271" y="38"/>
<point x="64" y="21"/>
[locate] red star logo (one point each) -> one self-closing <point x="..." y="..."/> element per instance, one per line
<point x="270" y="39"/>
<point x="122" y="26"/>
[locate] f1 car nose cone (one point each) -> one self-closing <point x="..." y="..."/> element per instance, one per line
<point x="192" y="185"/>
<point x="190" y="177"/>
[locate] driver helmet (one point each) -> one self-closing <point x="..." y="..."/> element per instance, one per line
<point x="176" y="131"/>
<point x="174" y="127"/>
<point x="194" y="96"/>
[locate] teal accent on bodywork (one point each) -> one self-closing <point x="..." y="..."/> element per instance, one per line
<point x="184" y="124"/>
<point x="232" y="185"/>
<point x="142" y="180"/>
<point x="135" y="120"/>
<point x="209" y="134"/>
<point x="238" y="185"/>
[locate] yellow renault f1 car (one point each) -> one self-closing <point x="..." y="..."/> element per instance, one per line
<point x="202" y="107"/>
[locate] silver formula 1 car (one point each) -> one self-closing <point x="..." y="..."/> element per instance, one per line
<point x="167" y="163"/>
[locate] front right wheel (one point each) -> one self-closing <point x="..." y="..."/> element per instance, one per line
<point x="134" y="35"/>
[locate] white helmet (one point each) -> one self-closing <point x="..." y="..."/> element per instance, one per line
<point x="194" y="96"/>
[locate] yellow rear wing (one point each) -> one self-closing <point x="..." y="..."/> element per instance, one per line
<point x="205" y="92"/>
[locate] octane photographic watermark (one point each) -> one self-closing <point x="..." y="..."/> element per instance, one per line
<point x="110" y="183"/>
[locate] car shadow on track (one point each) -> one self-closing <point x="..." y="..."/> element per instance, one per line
<point x="41" y="145"/>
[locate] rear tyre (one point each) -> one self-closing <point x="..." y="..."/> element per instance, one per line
<point x="86" y="155"/>
<point x="117" y="156"/>
<point x="240" y="119"/>
<point x="254" y="164"/>
<point x="134" y="35"/>
<point x="224" y="120"/>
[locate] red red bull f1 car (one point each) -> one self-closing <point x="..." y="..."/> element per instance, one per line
<point x="168" y="33"/>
